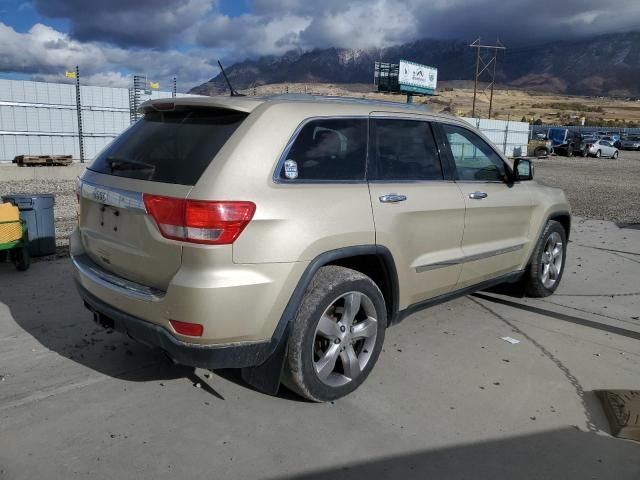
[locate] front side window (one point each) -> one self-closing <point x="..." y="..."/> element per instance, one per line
<point x="328" y="150"/>
<point x="475" y="160"/>
<point x="404" y="150"/>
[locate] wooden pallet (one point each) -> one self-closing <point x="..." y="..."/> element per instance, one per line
<point x="43" y="160"/>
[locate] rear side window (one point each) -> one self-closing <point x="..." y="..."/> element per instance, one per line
<point x="169" y="147"/>
<point x="404" y="150"/>
<point x="327" y="150"/>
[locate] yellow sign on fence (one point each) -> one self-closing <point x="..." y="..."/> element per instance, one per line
<point x="154" y="85"/>
<point x="71" y="74"/>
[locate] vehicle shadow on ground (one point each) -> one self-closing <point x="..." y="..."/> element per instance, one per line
<point x="563" y="453"/>
<point x="43" y="301"/>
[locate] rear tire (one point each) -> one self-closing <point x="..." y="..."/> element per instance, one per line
<point x="547" y="262"/>
<point x="615" y="155"/>
<point x="598" y="154"/>
<point x="337" y="335"/>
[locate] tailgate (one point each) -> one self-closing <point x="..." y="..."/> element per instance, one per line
<point x="118" y="235"/>
<point x="163" y="154"/>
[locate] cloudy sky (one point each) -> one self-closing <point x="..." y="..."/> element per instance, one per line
<point x="111" y="39"/>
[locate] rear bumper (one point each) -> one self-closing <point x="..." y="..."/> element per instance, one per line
<point x="202" y="356"/>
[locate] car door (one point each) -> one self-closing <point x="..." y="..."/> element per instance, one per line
<point x="418" y="210"/>
<point x="606" y="148"/>
<point x="498" y="212"/>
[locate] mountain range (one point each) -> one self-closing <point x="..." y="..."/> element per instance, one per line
<point x="601" y="65"/>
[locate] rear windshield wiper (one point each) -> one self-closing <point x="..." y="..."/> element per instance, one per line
<point x="117" y="163"/>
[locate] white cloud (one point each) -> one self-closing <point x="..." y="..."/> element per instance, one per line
<point x="46" y="53"/>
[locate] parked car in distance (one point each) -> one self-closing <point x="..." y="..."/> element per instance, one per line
<point x="601" y="148"/>
<point x="539" y="147"/>
<point x="615" y="141"/>
<point x="632" y="142"/>
<point x="284" y="235"/>
<point x="565" y="141"/>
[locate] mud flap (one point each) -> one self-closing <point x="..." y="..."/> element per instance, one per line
<point x="266" y="377"/>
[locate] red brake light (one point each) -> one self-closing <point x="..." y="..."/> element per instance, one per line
<point x="198" y="221"/>
<point x="184" y="328"/>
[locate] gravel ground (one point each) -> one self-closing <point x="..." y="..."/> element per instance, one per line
<point x="600" y="189"/>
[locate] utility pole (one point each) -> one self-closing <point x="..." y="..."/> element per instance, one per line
<point x="79" y="109"/>
<point x="488" y="65"/>
<point x="174" y="89"/>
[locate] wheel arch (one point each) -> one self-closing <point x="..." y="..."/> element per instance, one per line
<point x="564" y="219"/>
<point x="373" y="260"/>
<point x="561" y="216"/>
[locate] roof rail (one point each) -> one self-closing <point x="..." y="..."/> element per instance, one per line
<point x="306" y="97"/>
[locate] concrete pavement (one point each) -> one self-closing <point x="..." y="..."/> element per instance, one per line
<point x="447" y="399"/>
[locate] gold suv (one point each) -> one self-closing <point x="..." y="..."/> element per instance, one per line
<point x="284" y="235"/>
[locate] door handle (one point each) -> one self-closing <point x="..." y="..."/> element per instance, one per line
<point x="392" y="198"/>
<point x="478" y="195"/>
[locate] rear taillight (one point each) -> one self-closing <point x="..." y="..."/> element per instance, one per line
<point x="199" y="221"/>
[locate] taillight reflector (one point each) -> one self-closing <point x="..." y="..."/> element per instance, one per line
<point x="199" y="221"/>
<point x="185" y="328"/>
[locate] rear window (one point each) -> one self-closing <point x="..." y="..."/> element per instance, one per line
<point x="169" y="147"/>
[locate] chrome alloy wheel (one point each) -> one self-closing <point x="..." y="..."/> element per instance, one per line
<point x="552" y="258"/>
<point x="344" y="339"/>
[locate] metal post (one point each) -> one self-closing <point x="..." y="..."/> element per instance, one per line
<point x="174" y="89"/>
<point x="409" y="98"/>
<point x="79" y="110"/>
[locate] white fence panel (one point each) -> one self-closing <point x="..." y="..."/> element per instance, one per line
<point x="511" y="138"/>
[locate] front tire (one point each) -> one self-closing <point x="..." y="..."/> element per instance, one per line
<point x="337" y="335"/>
<point x="547" y="264"/>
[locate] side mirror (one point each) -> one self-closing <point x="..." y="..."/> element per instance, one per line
<point x="523" y="169"/>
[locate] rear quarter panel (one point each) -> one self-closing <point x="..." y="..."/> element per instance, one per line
<point x="292" y="222"/>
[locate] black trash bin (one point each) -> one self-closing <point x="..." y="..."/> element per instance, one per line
<point x="37" y="211"/>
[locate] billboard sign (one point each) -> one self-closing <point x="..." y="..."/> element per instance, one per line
<point x="416" y="78"/>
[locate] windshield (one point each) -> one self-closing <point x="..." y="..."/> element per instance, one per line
<point x="169" y="147"/>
